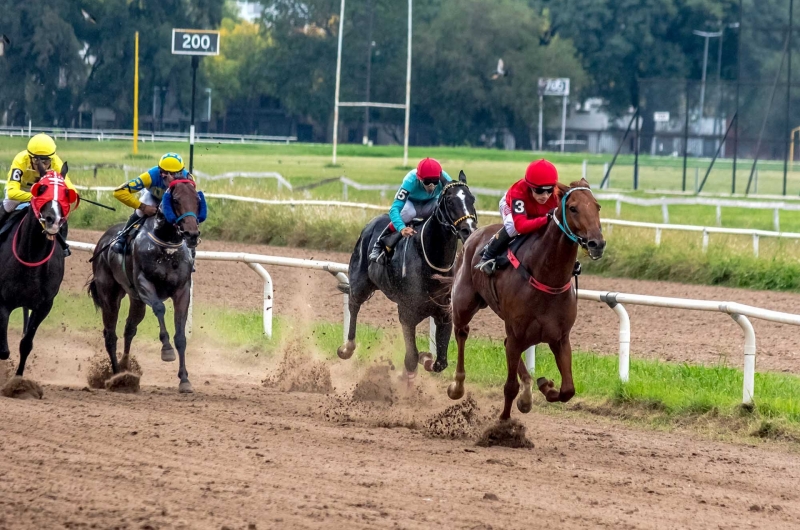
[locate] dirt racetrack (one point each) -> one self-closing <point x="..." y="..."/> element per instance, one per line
<point x="667" y="334"/>
<point x="237" y="454"/>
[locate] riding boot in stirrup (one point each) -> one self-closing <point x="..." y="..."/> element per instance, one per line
<point x="496" y="245"/>
<point x="378" y="249"/>
<point x="118" y="246"/>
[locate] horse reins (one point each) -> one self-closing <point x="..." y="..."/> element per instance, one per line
<point x="444" y="218"/>
<point x="16" y="254"/>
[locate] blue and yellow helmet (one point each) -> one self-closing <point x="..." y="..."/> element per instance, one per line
<point x="171" y="162"/>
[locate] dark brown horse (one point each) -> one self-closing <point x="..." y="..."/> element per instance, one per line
<point x="31" y="269"/>
<point x="156" y="265"/>
<point x="539" y="305"/>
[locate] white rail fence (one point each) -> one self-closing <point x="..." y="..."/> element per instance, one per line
<point x="101" y="135"/>
<point x="739" y="312"/>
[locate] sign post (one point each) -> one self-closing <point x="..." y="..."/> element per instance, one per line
<point x="136" y="94"/>
<point x="194" y="42"/>
<point x="554" y="87"/>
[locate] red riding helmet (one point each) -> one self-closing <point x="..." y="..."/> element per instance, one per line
<point x="541" y="173"/>
<point x="429" y="169"/>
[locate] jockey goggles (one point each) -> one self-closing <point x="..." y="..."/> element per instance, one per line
<point x="541" y="190"/>
<point x="430" y="182"/>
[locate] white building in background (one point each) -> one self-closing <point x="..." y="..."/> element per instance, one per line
<point x="249" y="11"/>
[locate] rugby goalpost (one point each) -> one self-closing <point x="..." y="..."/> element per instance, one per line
<point x="406" y="106"/>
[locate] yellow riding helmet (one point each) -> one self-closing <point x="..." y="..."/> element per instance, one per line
<point x="41" y="145"/>
<point x="171" y="162"/>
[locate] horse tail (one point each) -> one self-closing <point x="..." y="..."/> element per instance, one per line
<point x="92" y="290"/>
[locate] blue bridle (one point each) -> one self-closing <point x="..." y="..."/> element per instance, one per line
<point x="563" y="224"/>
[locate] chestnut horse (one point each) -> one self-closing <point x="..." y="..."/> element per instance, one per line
<point x="535" y="298"/>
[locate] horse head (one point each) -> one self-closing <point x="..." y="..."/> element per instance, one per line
<point x="578" y="216"/>
<point x="51" y="199"/>
<point x="185" y="208"/>
<point x="457" y="207"/>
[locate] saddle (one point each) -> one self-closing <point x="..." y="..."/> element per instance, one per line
<point x="502" y="261"/>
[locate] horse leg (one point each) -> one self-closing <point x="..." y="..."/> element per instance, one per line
<point x="181" y="302"/>
<point x="465" y="304"/>
<point x="26" y="344"/>
<point x="147" y="293"/>
<point x="562" y="350"/>
<point x="525" y="400"/>
<point x="511" y="388"/>
<point x="5" y="353"/>
<point x="112" y="297"/>
<point x="409" y="325"/>
<point x="360" y="291"/>
<point x="444" y="329"/>
<point x="135" y="316"/>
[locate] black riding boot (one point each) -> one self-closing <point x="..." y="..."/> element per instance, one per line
<point x="496" y="245"/>
<point x="119" y="242"/>
<point x="384" y="244"/>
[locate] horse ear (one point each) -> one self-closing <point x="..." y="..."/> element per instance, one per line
<point x="443" y="181"/>
<point x="64" y="170"/>
<point x="462" y="177"/>
<point x="563" y="188"/>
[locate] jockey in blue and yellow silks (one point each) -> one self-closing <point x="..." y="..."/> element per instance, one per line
<point x="144" y="194"/>
<point x="417" y="198"/>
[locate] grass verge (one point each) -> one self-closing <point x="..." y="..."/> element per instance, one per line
<point x="659" y="395"/>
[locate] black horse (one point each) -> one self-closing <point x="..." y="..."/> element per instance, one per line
<point x="30" y="268"/>
<point x="407" y="278"/>
<point x="156" y="265"/>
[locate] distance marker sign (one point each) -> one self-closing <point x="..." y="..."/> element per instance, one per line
<point x="195" y="42"/>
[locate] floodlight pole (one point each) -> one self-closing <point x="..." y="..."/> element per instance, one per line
<point x="338" y="80"/>
<point x="408" y="89"/>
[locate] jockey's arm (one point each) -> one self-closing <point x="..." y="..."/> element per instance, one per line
<point x="397" y="207"/>
<point x="522" y="223"/>
<point x="127" y="193"/>
<point x="446" y="176"/>
<point x="14" y="190"/>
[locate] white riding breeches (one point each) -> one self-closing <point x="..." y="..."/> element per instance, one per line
<point x="508" y="219"/>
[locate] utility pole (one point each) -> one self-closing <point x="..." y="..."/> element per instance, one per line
<point x="706" y="35"/>
<point x="370" y="45"/>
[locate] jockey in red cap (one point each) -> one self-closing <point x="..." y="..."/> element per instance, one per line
<point x="416" y="199"/>
<point x="524" y="208"/>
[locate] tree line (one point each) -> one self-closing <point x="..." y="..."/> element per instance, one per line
<point x="59" y="56"/>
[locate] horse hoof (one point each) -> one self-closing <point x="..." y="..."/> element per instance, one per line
<point x="439" y="366"/>
<point x="4" y="355"/>
<point x="185" y="388"/>
<point x="168" y="354"/>
<point x="345" y="351"/>
<point x="455" y="391"/>
<point x="426" y="360"/>
<point x="524" y="406"/>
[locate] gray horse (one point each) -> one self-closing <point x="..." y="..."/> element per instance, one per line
<point x="407" y="278"/>
<point x="156" y="265"/>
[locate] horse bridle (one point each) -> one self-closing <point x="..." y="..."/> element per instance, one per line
<point x="187" y="214"/>
<point x="443" y="216"/>
<point x="563" y="225"/>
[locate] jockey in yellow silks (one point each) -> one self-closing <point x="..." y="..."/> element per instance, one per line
<point x="23" y="174"/>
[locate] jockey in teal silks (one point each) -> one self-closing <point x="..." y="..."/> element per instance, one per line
<point x="416" y="199"/>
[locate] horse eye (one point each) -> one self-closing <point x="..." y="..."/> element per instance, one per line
<point x="573" y="209"/>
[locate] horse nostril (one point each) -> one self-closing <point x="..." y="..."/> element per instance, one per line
<point x="592" y="243"/>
